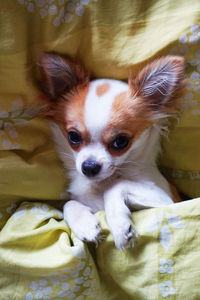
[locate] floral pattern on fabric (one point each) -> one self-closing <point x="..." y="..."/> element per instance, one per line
<point x="166" y="266"/>
<point x="187" y="42"/>
<point x="165" y="221"/>
<point x="77" y="278"/>
<point x="64" y="11"/>
<point x="76" y="282"/>
<point x="166" y="289"/>
<point x="18" y="115"/>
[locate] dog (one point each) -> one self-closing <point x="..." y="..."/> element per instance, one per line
<point x="107" y="133"/>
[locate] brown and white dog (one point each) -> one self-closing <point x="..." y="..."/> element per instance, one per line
<point x="107" y="133"/>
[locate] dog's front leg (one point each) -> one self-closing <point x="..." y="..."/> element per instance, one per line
<point x="127" y="196"/>
<point x="82" y="221"/>
<point x="118" y="217"/>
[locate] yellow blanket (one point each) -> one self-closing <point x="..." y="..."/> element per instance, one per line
<point x="39" y="258"/>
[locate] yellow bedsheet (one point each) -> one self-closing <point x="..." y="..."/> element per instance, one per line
<point x="39" y="259"/>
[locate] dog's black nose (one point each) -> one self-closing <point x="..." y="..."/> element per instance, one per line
<point x="90" y="168"/>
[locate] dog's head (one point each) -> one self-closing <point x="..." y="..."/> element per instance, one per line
<point x="104" y="119"/>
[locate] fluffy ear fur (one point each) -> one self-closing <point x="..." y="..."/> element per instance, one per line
<point x="156" y="85"/>
<point x="60" y="75"/>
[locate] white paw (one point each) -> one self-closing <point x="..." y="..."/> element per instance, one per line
<point x="89" y="231"/>
<point x="82" y="221"/>
<point x="125" y="235"/>
<point x="87" y="228"/>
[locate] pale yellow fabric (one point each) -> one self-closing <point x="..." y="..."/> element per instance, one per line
<point x="112" y="38"/>
<point x="41" y="259"/>
<point x="164" y="264"/>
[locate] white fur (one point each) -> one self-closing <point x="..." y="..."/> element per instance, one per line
<point x="97" y="109"/>
<point x="97" y="112"/>
<point x="162" y="79"/>
<point x="131" y="181"/>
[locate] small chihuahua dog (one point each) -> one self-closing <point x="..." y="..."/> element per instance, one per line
<point x="107" y="134"/>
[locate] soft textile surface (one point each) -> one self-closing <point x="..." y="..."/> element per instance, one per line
<point x="40" y="259"/>
<point x="112" y="38"/>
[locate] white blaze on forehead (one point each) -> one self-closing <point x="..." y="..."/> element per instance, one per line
<point x="98" y="105"/>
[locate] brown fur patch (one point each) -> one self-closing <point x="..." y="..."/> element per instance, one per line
<point x="68" y="113"/>
<point x="175" y="195"/>
<point x="125" y="119"/>
<point x="70" y="116"/>
<point x="65" y="84"/>
<point x="102" y="89"/>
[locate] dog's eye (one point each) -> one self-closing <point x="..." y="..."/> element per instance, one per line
<point x="120" y="143"/>
<point x="74" y="137"/>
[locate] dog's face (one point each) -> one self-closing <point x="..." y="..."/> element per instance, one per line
<point x="98" y="127"/>
<point x="103" y="120"/>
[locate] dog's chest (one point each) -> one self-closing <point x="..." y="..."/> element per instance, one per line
<point x="88" y="193"/>
<point x="94" y="201"/>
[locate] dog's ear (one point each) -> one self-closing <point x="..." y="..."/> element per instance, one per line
<point x="156" y="86"/>
<point x="60" y="75"/>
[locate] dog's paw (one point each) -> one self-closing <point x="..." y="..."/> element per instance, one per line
<point x="91" y="234"/>
<point x="87" y="229"/>
<point x="125" y="236"/>
<point x="82" y="222"/>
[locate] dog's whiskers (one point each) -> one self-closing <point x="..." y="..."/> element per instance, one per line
<point x="130" y="162"/>
<point x="68" y="155"/>
<point x="71" y="169"/>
